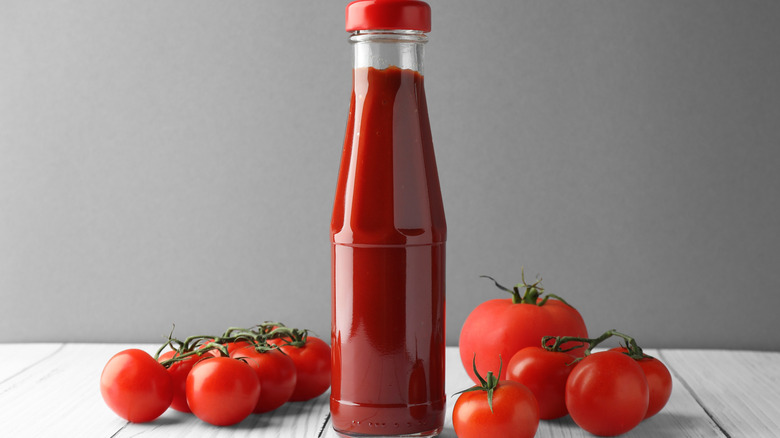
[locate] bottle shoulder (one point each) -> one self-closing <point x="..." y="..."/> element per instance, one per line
<point x="388" y="186"/>
<point x="344" y="232"/>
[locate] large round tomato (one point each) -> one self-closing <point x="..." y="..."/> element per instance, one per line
<point x="222" y="391"/>
<point x="515" y="413"/>
<point x="135" y="386"/>
<point x="276" y="372"/>
<point x="659" y="381"/>
<point x="500" y="327"/>
<point x="544" y="373"/>
<point x="607" y="393"/>
<point x="312" y="365"/>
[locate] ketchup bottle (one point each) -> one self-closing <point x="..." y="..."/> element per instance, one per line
<point x="388" y="236"/>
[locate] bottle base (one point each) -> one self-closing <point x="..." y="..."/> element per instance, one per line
<point x="426" y="434"/>
<point x="369" y="420"/>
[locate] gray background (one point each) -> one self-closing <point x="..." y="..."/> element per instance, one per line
<point x="175" y="162"/>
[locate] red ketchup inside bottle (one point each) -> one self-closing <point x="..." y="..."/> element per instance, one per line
<point x="388" y="235"/>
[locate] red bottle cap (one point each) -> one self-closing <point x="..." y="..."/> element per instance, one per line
<point x="388" y="14"/>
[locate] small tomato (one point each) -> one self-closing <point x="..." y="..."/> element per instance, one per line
<point x="659" y="381"/>
<point x="222" y="391"/>
<point x="607" y="393"/>
<point x="544" y="373"/>
<point x="179" y="371"/>
<point x="135" y="386"/>
<point x="276" y="373"/>
<point x="505" y="409"/>
<point x="312" y="365"/>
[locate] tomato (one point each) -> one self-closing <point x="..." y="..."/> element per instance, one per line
<point x="544" y="373"/>
<point x="276" y="373"/>
<point x="659" y="381"/>
<point x="312" y="365"/>
<point x="502" y="327"/>
<point x="179" y="371"/>
<point x="607" y="393"/>
<point x="515" y="413"/>
<point x="222" y="391"/>
<point x="135" y="386"/>
<point x="234" y="346"/>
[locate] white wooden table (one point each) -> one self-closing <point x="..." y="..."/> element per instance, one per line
<point x="52" y="390"/>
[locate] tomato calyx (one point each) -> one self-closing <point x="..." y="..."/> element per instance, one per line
<point x="532" y="294"/>
<point x="488" y="383"/>
<point x="554" y="344"/>
<point x="289" y="336"/>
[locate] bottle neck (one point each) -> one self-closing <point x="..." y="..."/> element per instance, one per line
<point x="381" y="49"/>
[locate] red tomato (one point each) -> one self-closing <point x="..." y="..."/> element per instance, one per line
<point x="607" y="393"/>
<point x="135" y="386"/>
<point x="277" y="375"/>
<point x="312" y="364"/>
<point x="659" y="381"/>
<point x="222" y="391"/>
<point x="234" y="346"/>
<point x="544" y="373"/>
<point x="501" y="328"/>
<point x="179" y="371"/>
<point x="515" y="413"/>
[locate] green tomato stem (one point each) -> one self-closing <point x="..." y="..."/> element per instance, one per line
<point x="634" y="351"/>
<point x="256" y="336"/>
<point x="532" y="291"/>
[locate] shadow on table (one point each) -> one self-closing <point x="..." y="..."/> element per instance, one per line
<point x="313" y="411"/>
<point x="169" y="418"/>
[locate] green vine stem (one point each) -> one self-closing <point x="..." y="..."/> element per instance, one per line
<point x="256" y="336"/>
<point x="554" y="343"/>
<point x="531" y="294"/>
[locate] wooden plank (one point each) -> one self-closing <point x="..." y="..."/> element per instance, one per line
<point x="740" y="390"/>
<point x="682" y="417"/>
<point x="23" y="357"/>
<point x="52" y="389"/>
<point x="292" y="420"/>
<point x="59" y="395"/>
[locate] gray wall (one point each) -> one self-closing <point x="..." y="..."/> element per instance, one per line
<point x="175" y="161"/>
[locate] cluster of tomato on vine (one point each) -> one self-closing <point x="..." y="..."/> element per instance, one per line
<point x="553" y="370"/>
<point x="220" y="379"/>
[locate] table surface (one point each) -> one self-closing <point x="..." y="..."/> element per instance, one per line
<point x="48" y="389"/>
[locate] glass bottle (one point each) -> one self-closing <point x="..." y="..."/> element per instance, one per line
<point x="388" y="235"/>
